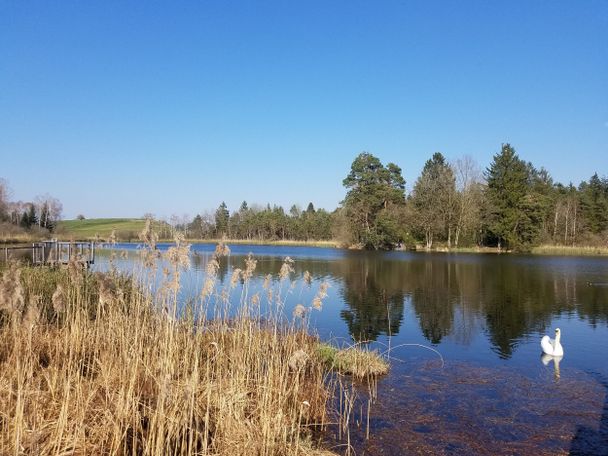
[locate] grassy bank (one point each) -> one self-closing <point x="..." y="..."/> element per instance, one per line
<point x="97" y="364"/>
<point x="103" y="227"/>
<point x="326" y="244"/>
<point x="128" y="229"/>
<point x="559" y="250"/>
<point x="569" y="250"/>
<point x="472" y="249"/>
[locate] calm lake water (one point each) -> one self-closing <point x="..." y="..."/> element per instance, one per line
<point x="484" y="313"/>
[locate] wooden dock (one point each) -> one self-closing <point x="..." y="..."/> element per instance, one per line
<point x="53" y="252"/>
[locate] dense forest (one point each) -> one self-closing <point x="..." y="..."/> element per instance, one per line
<point x="511" y="205"/>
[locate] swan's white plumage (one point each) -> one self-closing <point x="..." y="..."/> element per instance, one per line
<point x="552" y="346"/>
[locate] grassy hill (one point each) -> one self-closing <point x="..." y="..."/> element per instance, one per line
<point x="89" y="228"/>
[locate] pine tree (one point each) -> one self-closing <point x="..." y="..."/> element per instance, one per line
<point x="595" y="204"/>
<point x="373" y="190"/>
<point x="222" y="217"/>
<point x="515" y="215"/>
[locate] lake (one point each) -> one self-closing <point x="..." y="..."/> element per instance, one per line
<point x="463" y="333"/>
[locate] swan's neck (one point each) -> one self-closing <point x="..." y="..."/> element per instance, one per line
<point x="557" y="337"/>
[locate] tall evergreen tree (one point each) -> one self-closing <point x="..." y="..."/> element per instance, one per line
<point x="433" y="199"/>
<point x="514" y="215"/>
<point x="594" y="197"/>
<point x="222" y="218"/>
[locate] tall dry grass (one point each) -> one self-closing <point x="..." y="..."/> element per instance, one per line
<point x="548" y="249"/>
<point x="102" y="364"/>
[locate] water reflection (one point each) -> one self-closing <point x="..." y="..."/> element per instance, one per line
<point x="546" y="360"/>
<point x="487" y="313"/>
<point x="374" y="303"/>
<point x="457" y="295"/>
<point x="507" y="298"/>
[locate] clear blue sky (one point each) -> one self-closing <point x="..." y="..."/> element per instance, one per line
<point x="120" y="108"/>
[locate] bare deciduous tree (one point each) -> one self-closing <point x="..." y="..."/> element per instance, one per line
<point x="469" y="186"/>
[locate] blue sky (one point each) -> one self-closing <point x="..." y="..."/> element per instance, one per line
<point x="121" y="108"/>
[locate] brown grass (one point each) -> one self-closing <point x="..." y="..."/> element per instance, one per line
<point x="355" y="361"/>
<point x="548" y="249"/>
<point x="286" y="242"/>
<point x="97" y="364"/>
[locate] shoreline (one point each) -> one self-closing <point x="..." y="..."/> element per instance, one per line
<point x="541" y="250"/>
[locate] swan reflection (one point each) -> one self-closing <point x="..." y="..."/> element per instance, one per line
<point x="546" y="359"/>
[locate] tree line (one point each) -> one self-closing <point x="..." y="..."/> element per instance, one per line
<point x="267" y="223"/>
<point x="510" y="205"/>
<point x="41" y="214"/>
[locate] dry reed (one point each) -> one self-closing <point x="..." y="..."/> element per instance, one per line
<point x="99" y="364"/>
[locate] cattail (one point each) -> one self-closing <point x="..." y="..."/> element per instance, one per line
<point x="250" y="265"/>
<point x="297" y="360"/>
<point x="323" y="290"/>
<point x="32" y="315"/>
<point x="75" y="268"/>
<point x="149" y="258"/>
<point x="106" y="294"/>
<point x="224" y="296"/>
<point x="234" y="279"/>
<point x="207" y="287"/>
<point x="266" y="284"/>
<point x="148" y="236"/>
<point x="222" y="250"/>
<point x="58" y="300"/>
<point x="286" y="268"/>
<point x="12" y="296"/>
<point x="299" y="311"/>
<point x="113" y="237"/>
<point x="307" y="278"/>
<point x="179" y="256"/>
<point x="213" y="267"/>
<point x="317" y="303"/>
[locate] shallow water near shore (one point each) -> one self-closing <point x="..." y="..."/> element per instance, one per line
<point x="487" y="391"/>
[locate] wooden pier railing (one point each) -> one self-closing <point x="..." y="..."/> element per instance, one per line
<point x="53" y="252"/>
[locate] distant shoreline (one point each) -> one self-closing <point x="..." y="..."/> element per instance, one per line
<point x="542" y="250"/>
<point x="545" y="249"/>
<point x="288" y="243"/>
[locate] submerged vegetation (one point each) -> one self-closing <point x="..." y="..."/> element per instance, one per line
<point x="95" y="363"/>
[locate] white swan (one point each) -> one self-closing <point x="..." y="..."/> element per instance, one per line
<point x="552" y="346"/>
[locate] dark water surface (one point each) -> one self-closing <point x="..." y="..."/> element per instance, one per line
<point x="485" y="315"/>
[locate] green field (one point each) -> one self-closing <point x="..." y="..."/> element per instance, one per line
<point x="88" y="229"/>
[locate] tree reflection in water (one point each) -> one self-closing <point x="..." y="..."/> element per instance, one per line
<point x="457" y="295"/>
